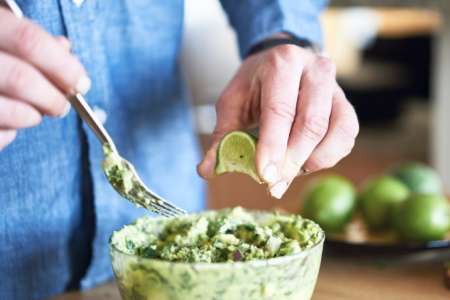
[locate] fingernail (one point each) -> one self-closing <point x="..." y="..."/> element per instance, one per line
<point x="66" y="110"/>
<point x="304" y="171"/>
<point x="83" y="85"/>
<point x="270" y="173"/>
<point x="290" y="168"/>
<point x="278" y="189"/>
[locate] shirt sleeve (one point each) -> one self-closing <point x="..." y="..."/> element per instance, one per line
<point x="256" y="20"/>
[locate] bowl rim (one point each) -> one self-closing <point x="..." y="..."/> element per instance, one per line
<point x="239" y="264"/>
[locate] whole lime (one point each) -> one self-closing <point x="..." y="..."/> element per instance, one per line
<point x="419" y="178"/>
<point x="423" y="218"/>
<point x="330" y="201"/>
<point x="378" y="198"/>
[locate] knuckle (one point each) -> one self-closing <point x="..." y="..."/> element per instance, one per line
<point x="325" y="66"/>
<point x="315" y="127"/>
<point x="281" y="110"/>
<point x="322" y="71"/>
<point x="288" y="51"/>
<point x="276" y="60"/>
<point x="28" y="39"/>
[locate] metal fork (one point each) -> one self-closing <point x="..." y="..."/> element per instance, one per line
<point x="146" y="197"/>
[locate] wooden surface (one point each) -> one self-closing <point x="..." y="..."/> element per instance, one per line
<point x="396" y="278"/>
<point x="352" y="278"/>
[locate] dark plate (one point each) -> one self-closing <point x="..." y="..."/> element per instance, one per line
<point x="357" y="238"/>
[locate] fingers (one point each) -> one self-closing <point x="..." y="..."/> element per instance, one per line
<point x="305" y="121"/>
<point x="15" y="114"/>
<point x="18" y="80"/>
<point x="6" y="137"/>
<point x="340" y="138"/>
<point x="29" y="42"/>
<point x="206" y="168"/>
<point x="37" y="70"/>
<point x="63" y="41"/>
<point x="279" y="92"/>
<point x="311" y="120"/>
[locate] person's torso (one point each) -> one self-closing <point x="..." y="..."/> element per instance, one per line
<point x="130" y="50"/>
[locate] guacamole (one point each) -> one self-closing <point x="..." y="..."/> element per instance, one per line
<point x="224" y="236"/>
<point x="222" y="255"/>
<point x="122" y="176"/>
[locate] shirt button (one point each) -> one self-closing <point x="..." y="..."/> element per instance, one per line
<point x="78" y="3"/>
<point x="100" y="114"/>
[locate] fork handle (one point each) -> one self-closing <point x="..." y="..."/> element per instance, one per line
<point x="12" y="5"/>
<point x="85" y="112"/>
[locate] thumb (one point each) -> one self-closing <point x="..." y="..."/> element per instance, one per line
<point x="226" y="122"/>
<point x="206" y="168"/>
<point x="229" y="115"/>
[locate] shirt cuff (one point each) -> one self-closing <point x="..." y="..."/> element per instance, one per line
<point x="257" y="20"/>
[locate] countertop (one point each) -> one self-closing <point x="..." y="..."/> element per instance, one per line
<point x="352" y="277"/>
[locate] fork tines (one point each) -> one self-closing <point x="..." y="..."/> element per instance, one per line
<point x="164" y="207"/>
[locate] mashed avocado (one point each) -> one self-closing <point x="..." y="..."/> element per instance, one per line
<point x="231" y="254"/>
<point x="118" y="172"/>
<point x="223" y="236"/>
<point x="122" y="176"/>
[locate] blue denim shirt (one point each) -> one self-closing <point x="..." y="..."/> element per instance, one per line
<point x="57" y="209"/>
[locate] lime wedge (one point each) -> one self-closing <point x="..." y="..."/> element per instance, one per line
<point x="236" y="153"/>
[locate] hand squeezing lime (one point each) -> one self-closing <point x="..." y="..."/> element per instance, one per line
<point x="236" y="153"/>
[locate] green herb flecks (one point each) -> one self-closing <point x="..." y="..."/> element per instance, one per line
<point x="122" y="176"/>
<point x="230" y="235"/>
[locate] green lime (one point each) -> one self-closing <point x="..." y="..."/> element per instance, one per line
<point x="423" y="218"/>
<point x="236" y="153"/>
<point x="330" y="201"/>
<point x="419" y="178"/>
<point x="377" y="199"/>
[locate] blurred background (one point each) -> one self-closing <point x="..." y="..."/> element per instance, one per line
<point x="385" y="57"/>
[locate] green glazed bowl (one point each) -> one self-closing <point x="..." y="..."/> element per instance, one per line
<point x="290" y="277"/>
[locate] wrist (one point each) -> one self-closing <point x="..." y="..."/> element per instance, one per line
<point x="281" y="39"/>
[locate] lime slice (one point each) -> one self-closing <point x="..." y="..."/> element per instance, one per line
<point x="236" y="153"/>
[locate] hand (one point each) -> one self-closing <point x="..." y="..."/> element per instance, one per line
<point x="36" y="71"/>
<point x="305" y="121"/>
